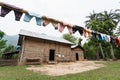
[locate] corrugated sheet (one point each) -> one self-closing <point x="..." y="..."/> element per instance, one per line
<point x="74" y="46"/>
<point x="43" y="36"/>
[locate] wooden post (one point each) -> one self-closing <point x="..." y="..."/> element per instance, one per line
<point x="22" y="52"/>
<point x="97" y="55"/>
<point x="102" y="51"/>
<point x="112" y="52"/>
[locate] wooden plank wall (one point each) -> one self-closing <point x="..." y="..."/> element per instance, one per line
<point x="39" y="49"/>
<point x="80" y="54"/>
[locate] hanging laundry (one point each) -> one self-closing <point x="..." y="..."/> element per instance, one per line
<point x="69" y="27"/>
<point x="117" y="41"/>
<point x="94" y="34"/>
<point x="89" y="33"/>
<point x="61" y="27"/>
<point x="86" y="31"/>
<point x="101" y="37"/>
<point x="17" y="11"/>
<point x="38" y="21"/>
<point x="6" y="8"/>
<point x="54" y="23"/>
<point x="28" y="16"/>
<point x="4" y="11"/>
<point x="45" y="20"/>
<point x="112" y="40"/>
<point x="108" y="39"/>
<point x="77" y="28"/>
<point x="18" y="15"/>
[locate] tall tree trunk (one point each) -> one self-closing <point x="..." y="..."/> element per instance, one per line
<point x="107" y="57"/>
<point x="112" y="52"/>
<point x="97" y="55"/>
<point x="103" y="55"/>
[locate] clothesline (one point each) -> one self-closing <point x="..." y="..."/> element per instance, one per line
<point x="58" y="25"/>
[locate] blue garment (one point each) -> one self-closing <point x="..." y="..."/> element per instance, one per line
<point x="29" y="16"/>
<point x="101" y="37"/>
<point x="38" y="21"/>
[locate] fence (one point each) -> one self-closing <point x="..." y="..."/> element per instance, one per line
<point x="8" y="62"/>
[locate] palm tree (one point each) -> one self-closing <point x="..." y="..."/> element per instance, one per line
<point x="104" y="22"/>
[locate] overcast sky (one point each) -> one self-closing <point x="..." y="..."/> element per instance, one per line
<point x="70" y="11"/>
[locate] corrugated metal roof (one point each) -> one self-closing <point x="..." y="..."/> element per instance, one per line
<point x="74" y="46"/>
<point x="43" y="36"/>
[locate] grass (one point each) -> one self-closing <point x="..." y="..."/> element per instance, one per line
<point x="110" y="72"/>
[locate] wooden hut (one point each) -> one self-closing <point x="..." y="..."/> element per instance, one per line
<point x="77" y="52"/>
<point x="39" y="48"/>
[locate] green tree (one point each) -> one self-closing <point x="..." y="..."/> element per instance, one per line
<point x="91" y="49"/>
<point x="9" y="48"/>
<point x="3" y="46"/>
<point x="79" y="41"/>
<point x="73" y="39"/>
<point x="104" y="22"/>
<point x="1" y="34"/>
<point x="70" y="38"/>
<point x="2" y="42"/>
<point x="118" y="28"/>
<point x="117" y="31"/>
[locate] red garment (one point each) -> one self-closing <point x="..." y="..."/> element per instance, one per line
<point x="117" y="41"/>
<point x="61" y="27"/>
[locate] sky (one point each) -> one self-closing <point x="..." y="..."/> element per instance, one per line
<point x="70" y="11"/>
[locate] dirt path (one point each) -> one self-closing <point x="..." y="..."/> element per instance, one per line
<point x="66" y="68"/>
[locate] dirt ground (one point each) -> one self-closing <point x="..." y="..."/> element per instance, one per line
<point x="65" y="68"/>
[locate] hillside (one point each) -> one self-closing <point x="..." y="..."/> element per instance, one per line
<point x="11" y="39"/>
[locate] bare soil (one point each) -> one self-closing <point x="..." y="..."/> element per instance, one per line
<point x="66" y="68"/>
